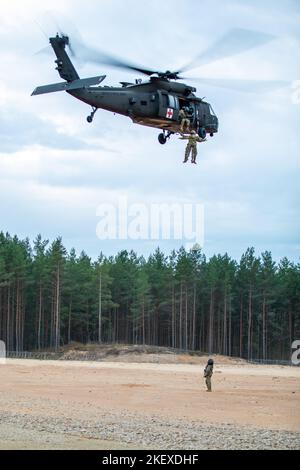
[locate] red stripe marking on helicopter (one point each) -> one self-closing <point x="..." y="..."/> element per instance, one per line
<point x="170" y="113"/>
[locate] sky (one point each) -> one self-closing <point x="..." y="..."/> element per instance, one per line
<point x="56" y="170"/>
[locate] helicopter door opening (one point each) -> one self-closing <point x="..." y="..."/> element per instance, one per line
<point x="191" y="109"/>
<point x="183" y="103"/>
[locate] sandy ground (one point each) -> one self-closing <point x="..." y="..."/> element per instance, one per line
<point x="262" y="397"/>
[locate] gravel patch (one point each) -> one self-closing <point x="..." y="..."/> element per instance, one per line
<point x="149" y="432"/>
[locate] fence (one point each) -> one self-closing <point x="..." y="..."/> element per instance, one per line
<point x="33" y="355"/>
<point x="272" y="362"/>
<point x="54" y="356"/>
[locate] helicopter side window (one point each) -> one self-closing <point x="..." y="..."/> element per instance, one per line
<point x="172" y="101"/>
<point x="144" y="103"/>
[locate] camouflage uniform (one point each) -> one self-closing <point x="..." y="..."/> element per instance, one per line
<point x="184" y="120"/>
<point x="208" y="372"/>
<point x="193" y="138"/>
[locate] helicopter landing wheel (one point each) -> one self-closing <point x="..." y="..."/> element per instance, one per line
<point x="202" y="132"/>
<point x="91" y="116"/>
<point x="162" y="139"/>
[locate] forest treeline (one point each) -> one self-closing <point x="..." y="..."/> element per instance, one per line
<point x="50" y="297"/>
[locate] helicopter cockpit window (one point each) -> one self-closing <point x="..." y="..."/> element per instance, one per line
<point x="211" y="111"/>
<point x="172" y="101"/>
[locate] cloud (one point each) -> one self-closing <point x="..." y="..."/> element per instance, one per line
<point x="20" y="130"/>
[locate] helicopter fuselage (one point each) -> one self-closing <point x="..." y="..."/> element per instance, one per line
<point x="155" y="104"/>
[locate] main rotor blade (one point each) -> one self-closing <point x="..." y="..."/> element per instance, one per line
<point x="247" y="86"/>
<point x="232" y="43"/>
<point x="45" y="50"/>
<point x="90" y="54"/>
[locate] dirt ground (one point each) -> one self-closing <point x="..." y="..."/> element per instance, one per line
<point x="259" y="396"/>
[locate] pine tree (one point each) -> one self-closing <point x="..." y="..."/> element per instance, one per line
<point x="40" y="270"/>
<point x="106" y="308"/>
<point x="57" y="254"/>
<point x="268" y="286"/>
<point x="250" y="266"/>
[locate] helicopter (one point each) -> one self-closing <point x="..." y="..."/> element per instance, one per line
<point x="156" y="102"/>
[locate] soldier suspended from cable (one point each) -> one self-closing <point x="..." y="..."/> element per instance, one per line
<point x="193" y="138"/>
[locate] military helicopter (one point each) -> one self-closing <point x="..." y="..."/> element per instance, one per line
<point x="157" y="102"/>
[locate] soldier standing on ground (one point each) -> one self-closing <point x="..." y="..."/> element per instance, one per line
<point x="208" y="372"/>
<point x="193" y="139"/>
